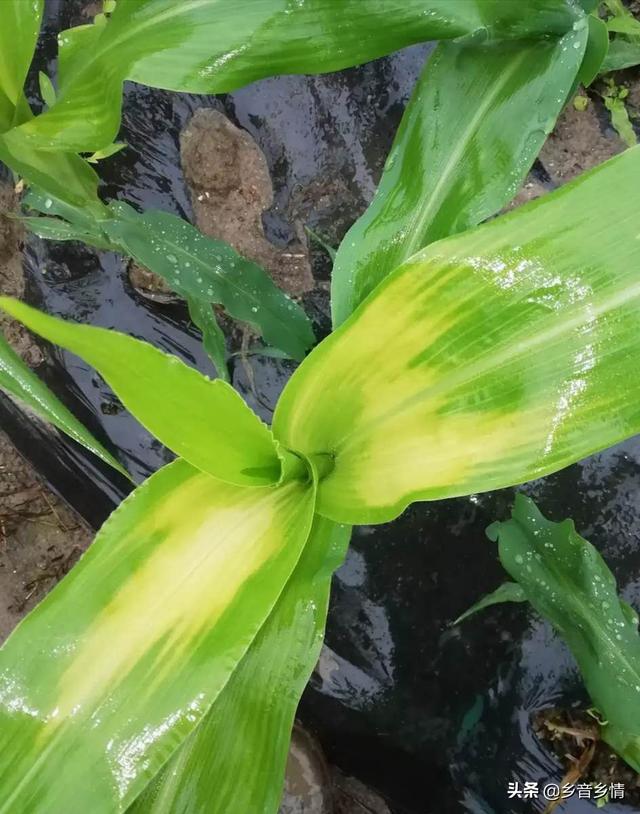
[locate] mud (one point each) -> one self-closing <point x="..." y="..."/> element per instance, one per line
<point x="353" y="797"/>
<point x="313" y="787"/>
<point x="40" y="538"/>
<point x="11" y="275"/>
<point x="581" y="140"/>
<point x="231" y="188"/>
<point x="307" y="788"/>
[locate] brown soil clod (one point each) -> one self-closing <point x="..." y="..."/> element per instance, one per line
<point x="150" y="285"/>
<point x="578" y="143"/>
<point x="231" y="187"/>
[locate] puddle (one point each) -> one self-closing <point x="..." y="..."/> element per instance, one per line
<point x="438" y="720"/>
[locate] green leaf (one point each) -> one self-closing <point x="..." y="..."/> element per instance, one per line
<point x="322" y="243"/>
<point x="247" y="732"/>
<point x="507" y="592"/>
<point x="18" y="37"/>
<point x="213" y="338"/>
<point x="569" y="584"/>
<point x="241" y="46"/>
<point x="488" y="359"/>
<point x="624" y="50"/>
<point x="66" y="221"/>
<point x="476" y="122"/>
<point x="64" y="175"/>
<point x="214" y="46"/>
<point x="47" y="91"/>
<point x="206" y="422"/>
<point x="107" y="152"/>
<point x="201" y="270"/>
<point x="207" y="271"/>
<point x="626" y="24"/>
<point x="622" y="54"/>
<point x="596" y="51"/>
<point x="56" y="229"/>
<point x="613" y="98"/>
<point x="20" y="381"/>
<point x="117" y="666"/>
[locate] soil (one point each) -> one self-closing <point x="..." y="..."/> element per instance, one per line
<point x="582" y="139"/>
<point x="574" y="738"/>
<point x="40" y="538"/>
<point x="353" y="797"/>
<point x="11" y="277"/>
<point x="312" y="787"/>
<point x="230" y="189"/>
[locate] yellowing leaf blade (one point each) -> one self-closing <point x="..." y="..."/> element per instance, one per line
<point x="105" y="679"/>
<point x="246" y="734"/>
<point x="488" y="359"/>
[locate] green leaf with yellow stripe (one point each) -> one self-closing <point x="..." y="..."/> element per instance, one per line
<point x="117" y="666"/>
<point x="235" y="760"/>
<point x="487" y="359"/>
<point x="476" y="121"/>
<point x="204" y="421"/>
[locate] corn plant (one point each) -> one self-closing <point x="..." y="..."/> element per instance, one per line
<point x="568" y="583"/>
<point x="487" y="359"/>
<point x="163" y="673"/>
<point x="193" y="47"/>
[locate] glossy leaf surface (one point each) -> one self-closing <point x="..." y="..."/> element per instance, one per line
<point x="595" y="53"/>
<point x="208" y="271"/>
<point x="507" y="592"/>
<point x="112" y="671"/>
<point x="476" y="122"/>
<point x="206" y="422"/>
<point x="19" y="27"/>
<point x="71" y="178"/>
<point x="65" y="221"/>
<point x="20" y="381"/>
<point x="569" y="584"/>
<point x="488" y="359"/>
<point x="66" y="175"/>
<point x="622" y="54"/>
<point x="213" y="46"/>
<point x="202" y="270"/>
<point x="247" y="732"/>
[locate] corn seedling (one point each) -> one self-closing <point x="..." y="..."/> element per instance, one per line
<point x="163" y="673"/>
<point x="487" y="359"/>
<point x="568" y="583"/>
